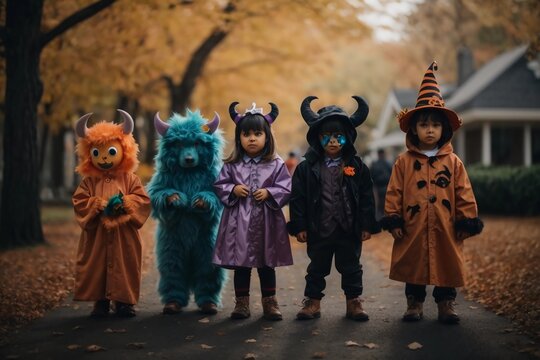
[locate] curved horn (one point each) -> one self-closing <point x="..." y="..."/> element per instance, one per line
<point x="273" y="114"/>
<point x="128" y="121"/>
<point x="305" y="109"/>
<point x="161" y="126"/>
<point x="80" y="126"/>
<point x="360" y="115"/>
<point x="236" y="117"/>
<point x="213" y="125"/>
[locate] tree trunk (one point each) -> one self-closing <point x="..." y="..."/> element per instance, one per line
<point x="181" y="93"/>
<point x="150" y="131"/>
<point x="20" y="222"/>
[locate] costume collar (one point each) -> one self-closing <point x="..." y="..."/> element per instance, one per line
<point x="247" y="159"/>
<point x="332" y="162"/>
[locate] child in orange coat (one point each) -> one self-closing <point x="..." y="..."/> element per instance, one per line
<point x="430" y="206"/>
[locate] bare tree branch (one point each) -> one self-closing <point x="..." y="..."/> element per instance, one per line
<point x="74" y="19"/>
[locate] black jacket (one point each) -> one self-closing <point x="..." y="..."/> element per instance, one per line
<point x="305" y="200"/>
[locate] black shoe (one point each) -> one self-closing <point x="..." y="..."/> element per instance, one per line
<point x="124" y="310"/>
<point x="101" y="308"/>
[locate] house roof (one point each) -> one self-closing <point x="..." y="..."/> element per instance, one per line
<point x="497" y="84"/>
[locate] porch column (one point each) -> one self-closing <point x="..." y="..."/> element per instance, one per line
<point x="486" y="144"/>
<point x="527" y="145"/>
<point x="460" y="145"/>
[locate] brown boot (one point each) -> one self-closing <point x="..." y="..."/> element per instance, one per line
<point x="209" y="308"/>
<point x="271" y="308"/>
<point x="172" y="308"/>
<point x="101" y="308"/>
<point x="415" y="311"/>
<point x="241" y="309"/>
<point x="447" y="314"/>
<point x="355" y="310"/>
<point x="311" y="309"/>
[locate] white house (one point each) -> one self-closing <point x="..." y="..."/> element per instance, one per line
<point x="499" y="105"/>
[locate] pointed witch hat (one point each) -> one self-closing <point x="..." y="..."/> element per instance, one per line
<point x="429" y="97"/>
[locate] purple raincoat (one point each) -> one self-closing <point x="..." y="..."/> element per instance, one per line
<point x="253" y="234"/>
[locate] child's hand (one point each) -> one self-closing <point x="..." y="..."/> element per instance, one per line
<point x="172" y="198"/>
<point x="397" y="233"/>
<point x="301" y="236"/>
<point x="462" y="235"/>
<point x="366" y="235"/>
<point x="261" y="194"/>
<point x="241" y="191"/>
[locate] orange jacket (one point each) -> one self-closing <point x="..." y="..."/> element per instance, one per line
<point x="109" y="253"/>
<point x="431" y="199"/>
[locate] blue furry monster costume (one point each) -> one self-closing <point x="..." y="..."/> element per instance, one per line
<point x="188" y="212"/>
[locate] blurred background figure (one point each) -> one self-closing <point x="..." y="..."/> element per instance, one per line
<point x="381" y="169"/>
<point x="291" y="162"/>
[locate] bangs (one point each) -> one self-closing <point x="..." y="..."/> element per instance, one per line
<point x="252" y="122"/>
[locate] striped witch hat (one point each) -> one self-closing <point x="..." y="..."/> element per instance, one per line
<point x="429" y="97"/>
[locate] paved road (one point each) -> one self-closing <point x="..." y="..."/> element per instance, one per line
<point x="190" y="335"/>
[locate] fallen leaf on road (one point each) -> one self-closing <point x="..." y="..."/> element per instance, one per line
<point x="250" y="356"/>
<point x="265" y="345"/>
<point x="319" y="355"/>
<point x="370" y="345"/>
<point x="73" y="347"/>
<point x="57" y="333"/>
<point x="415" y="346"/>
<point x="94" y="348"/>
<point x="351" y="343"/>
<point x="78" y="327"/>
<point x="473" y="307"/>
<point x="189" y="337"/>
<point x="267" y="328"/>
<point x="291" y="287"/>
<point x="204" y="320"/>
<point x="136" y="345"/>
<point x="251" y="341"/>
<point x="315" y="332"/>
<point x="220" y="333"/>
<point x="204" y="346"/>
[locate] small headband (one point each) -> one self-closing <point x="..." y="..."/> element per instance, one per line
<point x="270" y="117"/>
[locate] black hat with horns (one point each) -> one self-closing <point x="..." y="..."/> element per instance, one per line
<point x="314" y="120"/>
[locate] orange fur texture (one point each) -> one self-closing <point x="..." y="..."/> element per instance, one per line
<point x="102" y="133"/>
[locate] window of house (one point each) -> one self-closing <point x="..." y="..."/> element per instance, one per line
<point x="507" y="146"/>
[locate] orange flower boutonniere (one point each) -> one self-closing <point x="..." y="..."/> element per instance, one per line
<point x="348" y="171"/>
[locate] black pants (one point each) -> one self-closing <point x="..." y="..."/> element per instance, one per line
<point x="242" y="280"/>
<point x="347" y="249"/>
<point x="439" y="293"/>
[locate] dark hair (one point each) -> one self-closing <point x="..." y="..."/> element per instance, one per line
<point x="436" y="116"/>
<point x="255" y="122"/>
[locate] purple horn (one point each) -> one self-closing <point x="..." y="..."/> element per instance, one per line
<point x="360" y="115"/>
<point x="305" y="109"/>
<point x="273" y="114"/>
<point x="160" y="125"/>
<point x="80" y="127"/>
<point x="128" y="121"/>
<point x="236" y="117"/>
<point x="213" y="125"/>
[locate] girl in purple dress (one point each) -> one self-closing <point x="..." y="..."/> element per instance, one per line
<point x="254" y="185"/>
